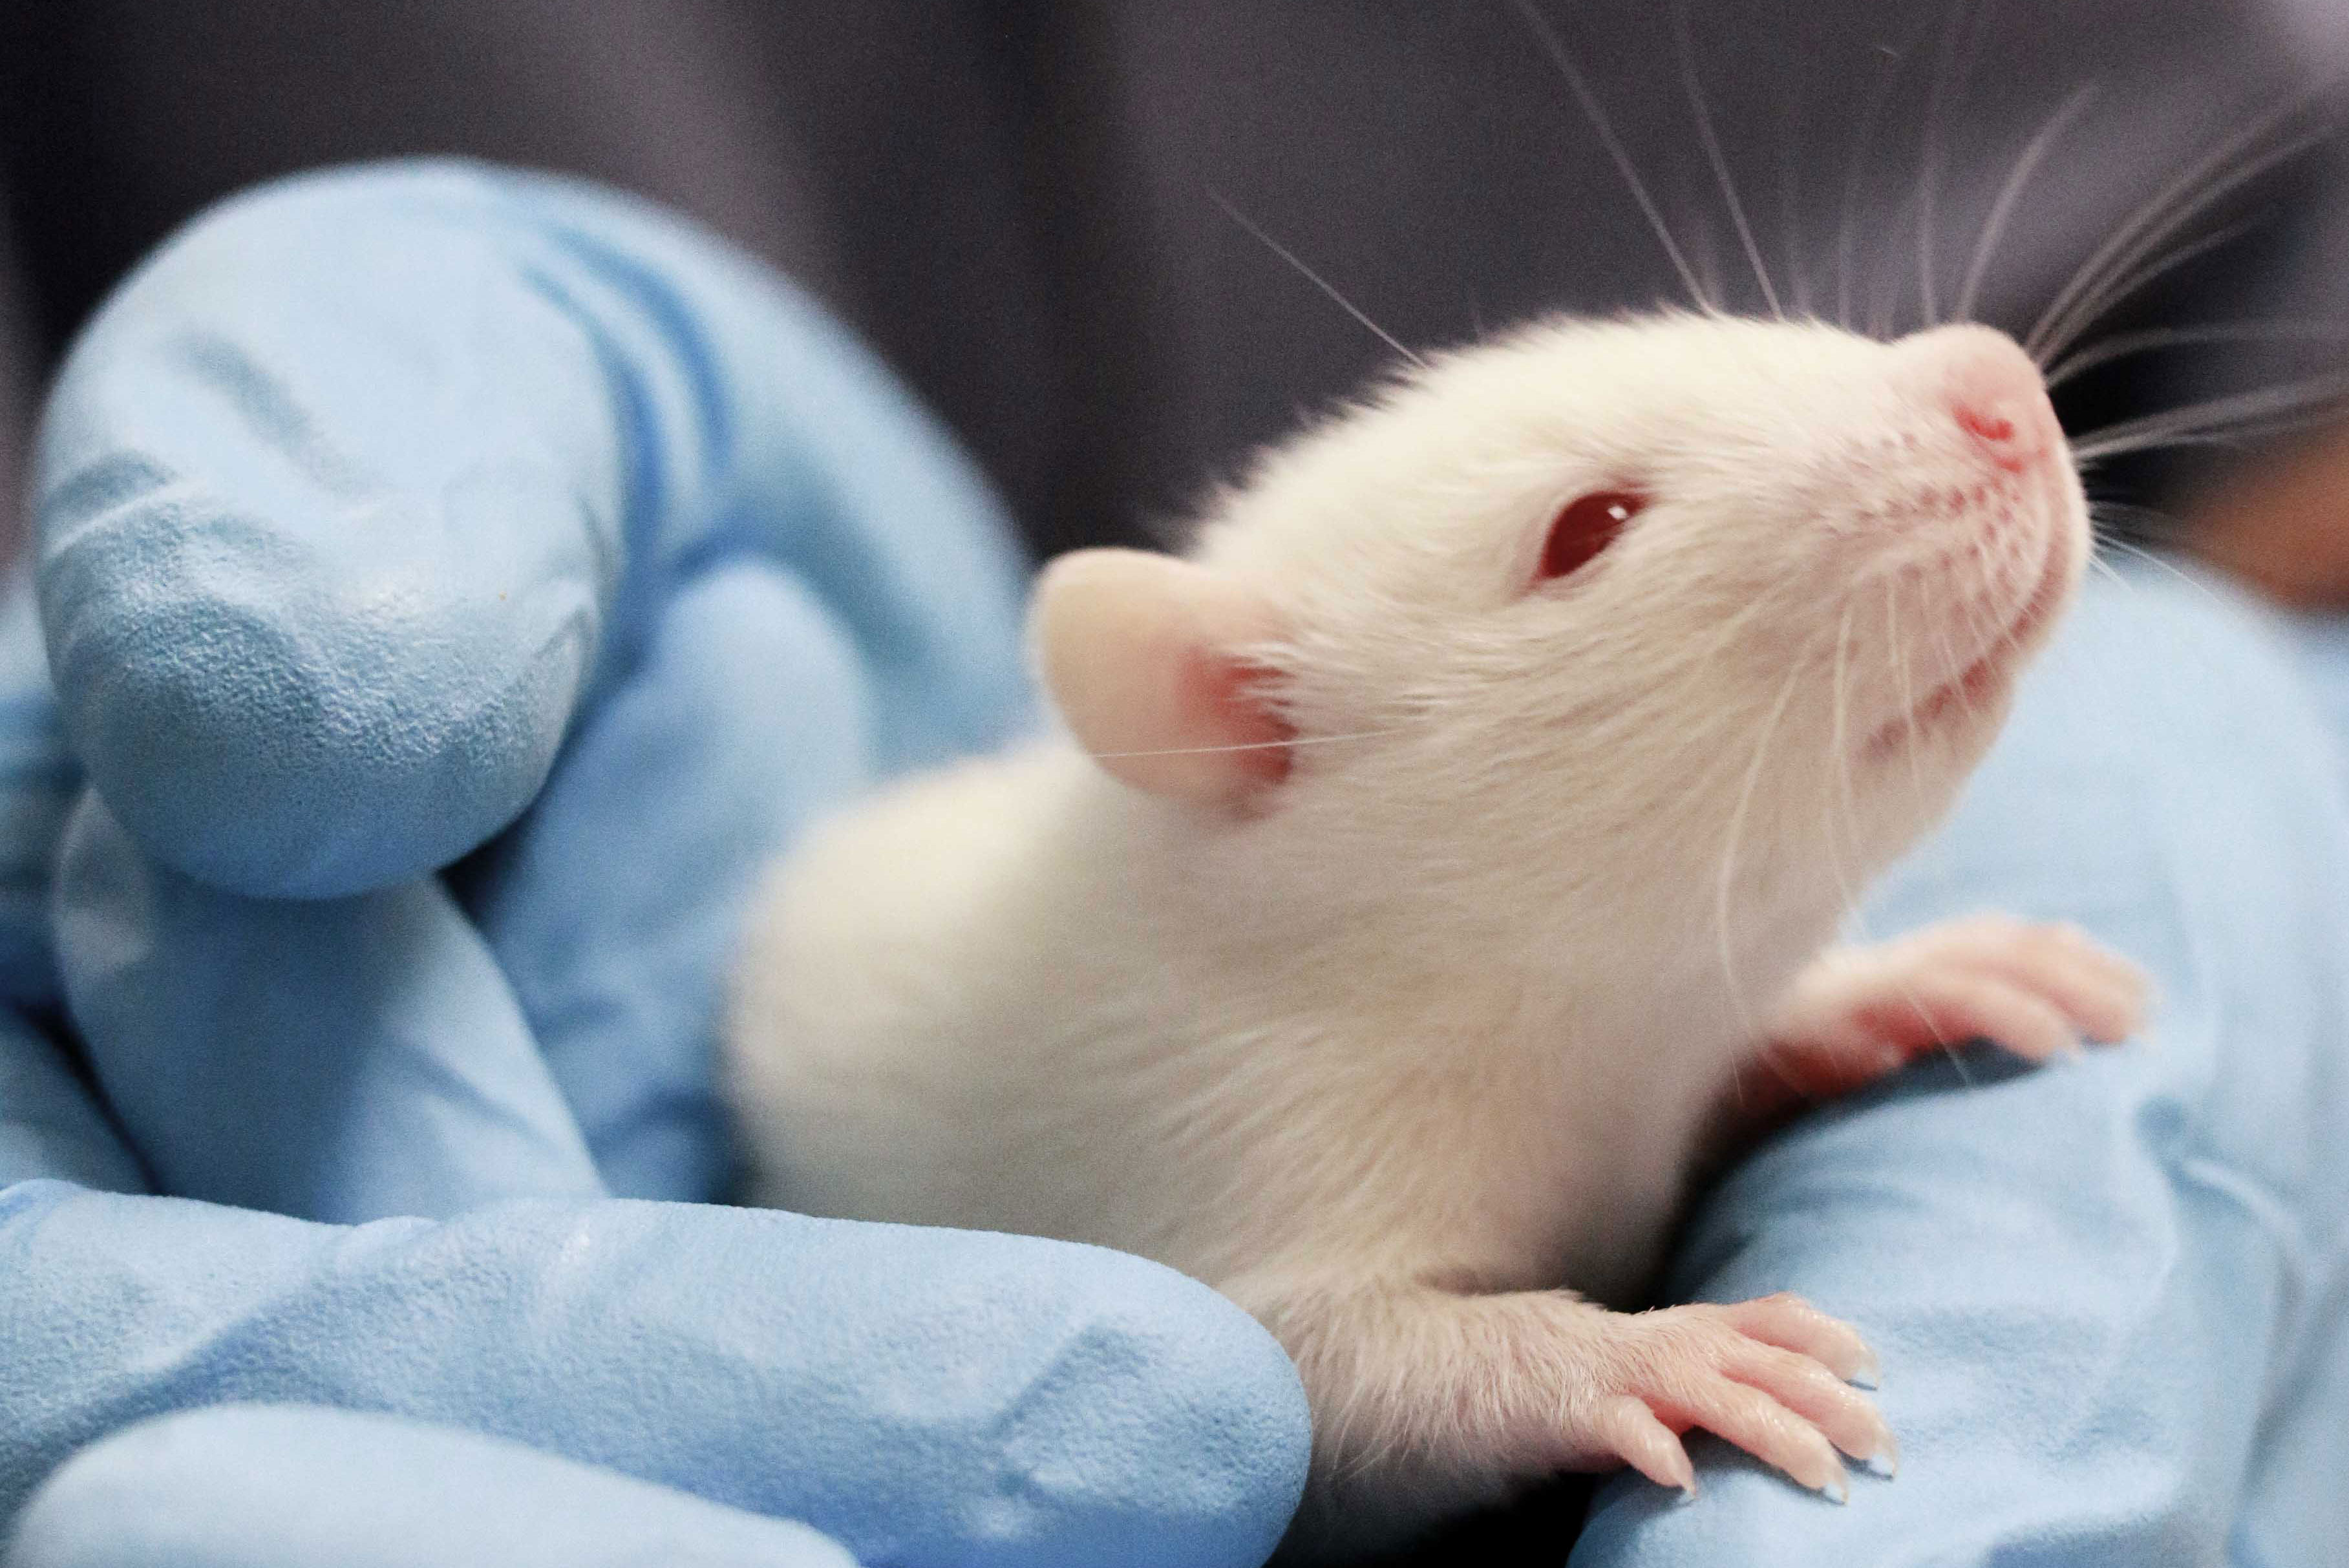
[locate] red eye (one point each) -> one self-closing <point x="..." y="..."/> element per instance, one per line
<point x="1583" y="528"/>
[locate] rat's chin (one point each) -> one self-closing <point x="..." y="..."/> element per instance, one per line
<point x="1973" y="702"/>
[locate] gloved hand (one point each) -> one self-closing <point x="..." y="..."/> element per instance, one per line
<point x="2111" y="1295"/>
<point x="425" y="514"/>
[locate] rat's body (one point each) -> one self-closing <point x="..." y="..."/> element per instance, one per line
<point x="1464" y="841"/>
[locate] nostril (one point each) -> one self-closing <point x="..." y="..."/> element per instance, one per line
<point x="1988" y="424"/>
<point x="1982" y="380"/>
<point x="2003" y="431"/>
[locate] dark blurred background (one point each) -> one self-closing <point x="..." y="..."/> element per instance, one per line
<point x="1016" y="201"/>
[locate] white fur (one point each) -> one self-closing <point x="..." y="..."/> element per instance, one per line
<point x="1432" y="1026"/>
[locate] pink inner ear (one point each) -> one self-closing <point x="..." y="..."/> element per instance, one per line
<point x="1143" y="655"/>
<point x="1228" y="698"/>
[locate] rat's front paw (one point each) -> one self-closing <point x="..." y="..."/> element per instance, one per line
<point x="1771" y="1376"/>
<point x="2037" y="990"/>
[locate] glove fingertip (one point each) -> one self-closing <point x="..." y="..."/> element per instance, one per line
<point x="235" y="715"/>
<point x="1215" y="1415"/>
<point x="325" y="564"/>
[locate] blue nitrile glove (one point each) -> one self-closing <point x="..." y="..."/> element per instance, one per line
<point x="360" y="501"/>
<point x="381" y="514"/>
<point x="2112" y="1296"/>
<point x="158" y="1494"/>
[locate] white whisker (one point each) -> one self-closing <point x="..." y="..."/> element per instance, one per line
<point x="1899" y="646"/>
<point x="1883" y="308"/>
<point x="2238" y="417"/>
<point x="2101" y="663"/>
<point x="2097" y="561"/>
<point x="2153" y="559"/>
<point x="1946" y="79"/>
<point x="1798" y="264"/>
<point x="1863" y="138"/>
<point x="1258" y="744"/>
<point x="1555" y="46"/>
<point x="2206" y="181"/>
<point x="1954" y="666"/>
<point x="1724" y="889"/>
<point x="1847" y="795"/>
<point x="1316" y="279"/>
<point x="2151" y="523"/>
<point x="1909" y="994"/>
<point x="2166" y="201"/>
<point x="1790" y="207"/>
<point x="2114" y="574"/>
<point x="2003" y="210"/>
<point x="2122" y="344"/>
<point x="2128" y="288"/>
<point x="1720" y="161"/>
<point x="1730" y="627"/>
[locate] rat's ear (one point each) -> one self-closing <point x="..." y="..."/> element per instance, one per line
<point x="1141" y="655"/>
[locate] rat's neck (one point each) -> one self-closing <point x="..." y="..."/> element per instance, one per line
<point x="1511" y="947"/>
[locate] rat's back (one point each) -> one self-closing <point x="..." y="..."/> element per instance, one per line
<point x="884" y="924"/>
<point x="893" y="1054"/>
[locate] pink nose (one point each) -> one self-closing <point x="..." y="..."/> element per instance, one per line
<point x="1992" y="390"/>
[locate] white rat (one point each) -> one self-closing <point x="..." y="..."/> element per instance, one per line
<point x="1428" y="858"/>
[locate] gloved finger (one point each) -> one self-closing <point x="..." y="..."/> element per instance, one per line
<point x="39" y="780"/>
<point x="344" y="496"/>
<point x="328" y="518"/>
<point x="925" y="1397"/>
<point x="805" y="451"/>
<point x="2098" y="1288"/>
<point x="850" y="619"/>
<point x="340" y="1059"/>
<point x="272" y="1055"/>
<point x="614" y="904"/>
<point x="276" y="1486"/>
<point x="51" y="1123"/>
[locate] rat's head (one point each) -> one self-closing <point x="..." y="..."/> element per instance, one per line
<point x="1605" y="602"/>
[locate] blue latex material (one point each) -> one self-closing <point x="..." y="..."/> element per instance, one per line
<point x="505" y="466"/>
<point x="926" y="1397"/>
<point x="211" y="1489"/>
<point x="2112" y="1298"/>
<point x="382" y="512"/>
